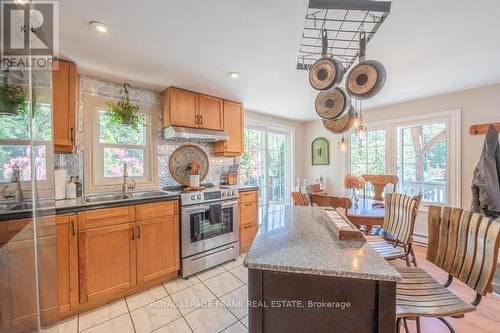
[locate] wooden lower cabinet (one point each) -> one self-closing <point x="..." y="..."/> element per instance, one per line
<point x="115" y="259"/>
<point x="249" y="218"/>
<point x="67" y="262"/>
<point x="157" y="247"/>
<point x="106" y="260"/>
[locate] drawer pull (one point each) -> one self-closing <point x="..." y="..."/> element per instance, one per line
<point x="138" y="232"/>
<point x="248" y="204"/>
<point x="73" y="228"/>
<point x="247" y="226"/>
<point x="133" y="234"/>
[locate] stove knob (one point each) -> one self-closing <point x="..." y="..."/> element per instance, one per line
<point x="199" y="196"/>
<point x="223" y="194"/>
<point x="193" y="197"/>
<point x="233" y="193"/>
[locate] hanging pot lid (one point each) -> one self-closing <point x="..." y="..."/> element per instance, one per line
<point x="327" y="72"/>
<point x="367" y="78"/>
<point x="332" y="104"/>
<point x="342" y="124"/>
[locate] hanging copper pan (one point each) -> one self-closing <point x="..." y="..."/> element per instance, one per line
<point x="367" y="78"/>
<point x="326" y="73"/>
<point x="332" y="104"/>
<point x="342" y="124"/>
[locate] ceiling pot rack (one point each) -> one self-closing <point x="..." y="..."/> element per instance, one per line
<point x="343" y="20"/>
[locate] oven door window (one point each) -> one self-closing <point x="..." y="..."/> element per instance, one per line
<point x="215" y="221"/>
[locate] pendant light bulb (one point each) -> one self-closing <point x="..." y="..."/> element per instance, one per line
<point x="357" y="120"/>
<point x="343" y="144"/>
<point x="361" y="131"/>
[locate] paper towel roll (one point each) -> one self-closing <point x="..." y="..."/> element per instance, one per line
<point x="60" y="183"/>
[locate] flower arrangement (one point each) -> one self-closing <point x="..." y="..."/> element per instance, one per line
<point x="124" y="112"/>
<point x="353" y="182"/>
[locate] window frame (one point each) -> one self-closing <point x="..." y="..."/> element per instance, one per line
<point x="454" y="146"/>
<point x="94" y="157"/>
<point x="375" y="128"/>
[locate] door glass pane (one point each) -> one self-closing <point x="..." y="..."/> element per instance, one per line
<point x="277" y="165"/>
<point x="253" y="163"/>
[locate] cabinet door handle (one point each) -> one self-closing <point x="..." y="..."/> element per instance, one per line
<point x="72" y="135"/>
<point x="248" y="204"/>
<point x="201" y="120"/>
<point x="2" y="264"/>
<point x="73" y="228"/>
<point x="248" y="226"/>
<point x="133" y="233"/>
<point x="138" y="232"/>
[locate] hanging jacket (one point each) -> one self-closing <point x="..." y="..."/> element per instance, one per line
<point x="486" y="180"/>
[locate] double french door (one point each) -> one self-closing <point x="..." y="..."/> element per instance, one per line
<point x="266" y="164"/>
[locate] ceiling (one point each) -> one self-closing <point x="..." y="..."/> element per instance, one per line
<point x="428" y="47"/>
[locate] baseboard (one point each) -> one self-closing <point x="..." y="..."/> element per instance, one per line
<point x="420" y="239"/>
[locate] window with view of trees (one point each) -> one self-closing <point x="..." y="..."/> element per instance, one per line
<point x="16" y="146"/>
<point x="422" y="157"/>
<point x="368" y="153"/>
<point x="115" y="144"/>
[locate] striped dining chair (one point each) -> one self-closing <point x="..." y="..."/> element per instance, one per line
<point x="396" y="238"/>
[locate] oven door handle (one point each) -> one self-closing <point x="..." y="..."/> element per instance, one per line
<point x="197" y="209"/>
<point x="229" y="204"/>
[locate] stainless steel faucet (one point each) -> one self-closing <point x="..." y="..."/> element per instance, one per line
<point x="17" y="195"/>
<point x="128" y="185"/>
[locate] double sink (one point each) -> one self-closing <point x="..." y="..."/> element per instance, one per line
<point x="8" y="206"/>
<point x="108" y="197"/>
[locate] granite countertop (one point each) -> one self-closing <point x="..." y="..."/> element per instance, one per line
<point x="297" y="240"/>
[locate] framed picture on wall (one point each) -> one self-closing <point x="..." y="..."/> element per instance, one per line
<point x="320" y="150"/>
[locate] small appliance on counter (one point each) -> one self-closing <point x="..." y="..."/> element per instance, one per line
<point x="60" y="176"/>
<point x="232" y="178"/>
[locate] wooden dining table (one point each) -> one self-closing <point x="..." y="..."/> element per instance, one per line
<point x="364" y="213"/>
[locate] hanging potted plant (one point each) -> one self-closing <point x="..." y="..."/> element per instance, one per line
<point x="11" y="98"/>
<point x="123" y="111"/>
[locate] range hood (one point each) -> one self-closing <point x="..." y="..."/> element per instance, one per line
<point x="196" y="134"/>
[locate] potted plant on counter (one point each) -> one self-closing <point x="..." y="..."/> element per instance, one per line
<point x="12" y="98"/>
<point x="124" y="112"/>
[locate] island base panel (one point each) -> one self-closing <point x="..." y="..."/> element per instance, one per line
<point x="291" y="302"/>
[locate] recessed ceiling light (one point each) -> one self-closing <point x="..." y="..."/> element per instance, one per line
<point x="233" y="75"/>
<point x="99" y="27"/>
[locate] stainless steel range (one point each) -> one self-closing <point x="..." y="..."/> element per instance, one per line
<point x="209" y="228"/>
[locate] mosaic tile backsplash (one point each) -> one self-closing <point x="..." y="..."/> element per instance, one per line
<point x="219" y="166"/>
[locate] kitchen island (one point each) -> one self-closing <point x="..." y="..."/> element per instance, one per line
<point x="302" y="278"/>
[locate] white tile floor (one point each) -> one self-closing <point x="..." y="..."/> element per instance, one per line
<point x="213" y="301"/>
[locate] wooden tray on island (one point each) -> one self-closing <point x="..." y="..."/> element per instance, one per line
<point x="341" y="226"/>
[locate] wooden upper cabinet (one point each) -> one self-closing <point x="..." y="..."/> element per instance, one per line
<point x="64" y="91"/>
<point x="180" y="108"/>
<point x="107" y="261"/>
<point x="233" y="124"/>
<point x="211" y="113"/>
<point x="190" y="109"/>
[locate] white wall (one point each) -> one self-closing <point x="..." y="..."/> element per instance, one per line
<point x="478" y="105"/>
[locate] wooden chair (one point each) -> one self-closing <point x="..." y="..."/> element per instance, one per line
<point x="379" y="182"/>
<point x="399" y="222"/>
<point x="298" y="199"/>
<point x="329" y="201"/>
<point x="463" y="244"/>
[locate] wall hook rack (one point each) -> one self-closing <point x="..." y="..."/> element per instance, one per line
<point x="480" y="129"/>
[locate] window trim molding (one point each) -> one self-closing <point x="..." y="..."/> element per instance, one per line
<point x="91" y="183"/>
<point x="454" y="119"/>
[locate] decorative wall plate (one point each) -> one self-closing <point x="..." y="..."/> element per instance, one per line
<point x="320" y="152"/>
<point x="180" y="159"/>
